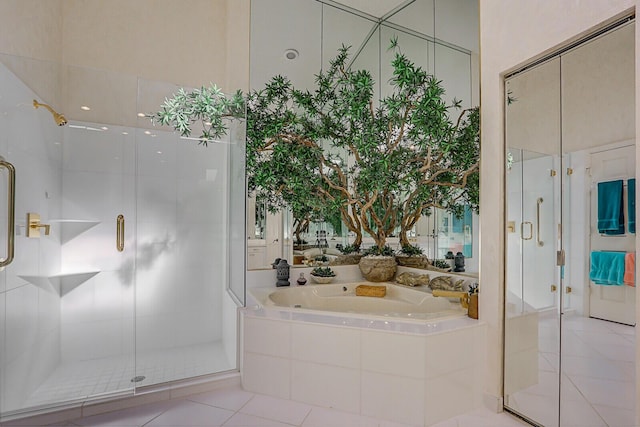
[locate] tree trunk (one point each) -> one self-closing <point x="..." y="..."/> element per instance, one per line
<point x="404" y="240"/>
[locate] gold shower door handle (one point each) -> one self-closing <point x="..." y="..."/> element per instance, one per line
<point x="120" y="233"/>
<point x="538" y="203"/>
<point x="530" y="224"/>
<point x="11" y="211"/>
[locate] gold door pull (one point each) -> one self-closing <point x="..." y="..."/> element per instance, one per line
<point x="11" y="211"/>
<point x="538" y="203"/>
<point x="34" y="225"/>
<point x="120" y="233"/>
<point x="554" y="288"/>
<point x="530" y="225"/>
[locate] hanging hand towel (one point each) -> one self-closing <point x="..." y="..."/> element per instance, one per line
<point x="630" y="269"/>
<point x="607" y="268"/>
<point x="631" y="202"/>
<point x="610" y="207"/>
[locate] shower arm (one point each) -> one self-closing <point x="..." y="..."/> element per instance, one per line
<point x="57" y="117"/>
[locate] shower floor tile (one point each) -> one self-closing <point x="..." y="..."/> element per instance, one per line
<point x="81" y="379"/>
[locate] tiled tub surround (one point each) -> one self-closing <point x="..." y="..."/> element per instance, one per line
<point x="417" y="372"/>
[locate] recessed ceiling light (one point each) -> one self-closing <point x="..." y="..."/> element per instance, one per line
<point x="291" y="54"/>
<point x="125" y="133"/>
<point x="142" y="115"/>
<point x="147" y="132"/>
<point x="104" y="128"/>
<point x="85" y="108"/>
<point x="159" y="152"/>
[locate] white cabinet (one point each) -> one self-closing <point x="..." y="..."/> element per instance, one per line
<point x="256" y="257"/>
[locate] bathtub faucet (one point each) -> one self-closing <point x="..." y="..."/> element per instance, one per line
<point x="464" y="297"/>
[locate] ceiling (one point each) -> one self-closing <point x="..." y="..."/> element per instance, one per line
<point x="377" y="8"/>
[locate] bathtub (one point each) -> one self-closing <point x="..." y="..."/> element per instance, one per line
<point x="409" y="357"/>
<point x="399" y="302"/>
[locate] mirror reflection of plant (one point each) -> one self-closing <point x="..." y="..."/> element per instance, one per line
<point x="386" y="250"/>
<point x="411" y="250"/>
<point x="405" y="156"/>
<point x="350" y="249"/>
<point x="440" y="263"/>
<point x="323" y="272"/>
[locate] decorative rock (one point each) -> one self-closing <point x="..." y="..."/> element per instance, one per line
<point x="412" y="279"/>
<point x="413" y="261"/>
<point x="349" y="259"/>
<point x="378" y="268"/>
<point x="446" y="283"/>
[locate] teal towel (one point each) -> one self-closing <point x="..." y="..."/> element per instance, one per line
<point x="458" y="224"/>
<point x="610" y="208"/>
<point x="631" y="202"/>
<point x="607" y="268"/>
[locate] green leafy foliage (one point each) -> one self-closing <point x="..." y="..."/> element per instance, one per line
<point x="440" y="263"/>
<point x="207" y="107"/>
<point x="411" y="250"/>
<point x="335" y="150"/>
<point x="323" y="272"/>
<point x="350" y="249"/>
<point x="386" y="250"/>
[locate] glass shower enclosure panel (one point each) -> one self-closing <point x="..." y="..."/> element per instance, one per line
<point x="66" y="310"/>
<point x="183" y="260"/>
<point x="533" y="227"/>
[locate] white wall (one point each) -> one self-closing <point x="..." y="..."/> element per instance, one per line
<point x="191" y="43"/>
<point x="511" y="34"/>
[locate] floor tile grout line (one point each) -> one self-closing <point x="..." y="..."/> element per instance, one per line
<point x="586" y="399"/>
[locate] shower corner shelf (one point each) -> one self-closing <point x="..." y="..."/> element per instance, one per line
<point x="70" y="228"/>
<point x="62" y="283"/>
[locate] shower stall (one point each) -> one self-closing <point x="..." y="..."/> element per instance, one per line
<point x="128" y="248"/>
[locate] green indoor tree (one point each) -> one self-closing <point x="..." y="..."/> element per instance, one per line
<point x="335" y="149"/>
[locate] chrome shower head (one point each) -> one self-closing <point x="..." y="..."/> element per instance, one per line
<point x="57" y="117"/>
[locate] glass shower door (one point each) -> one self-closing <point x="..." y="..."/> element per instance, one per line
<point x="531" y="316"/>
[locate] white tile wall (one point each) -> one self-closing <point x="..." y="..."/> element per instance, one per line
<point x="392" y="397"/>
<point x="326" y="345"/>
<point x="325" y="385"/>
<point x="392" y="353"/>
<point x="266" y="374"/>
<point x="396" y="376"/>
<point x="267" y="337"/>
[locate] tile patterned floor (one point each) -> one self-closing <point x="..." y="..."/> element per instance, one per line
<point x="233" y="407"/>
<point x="598" y="388"/>
<point x="598" y="381"/>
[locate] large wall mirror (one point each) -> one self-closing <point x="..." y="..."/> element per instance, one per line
<point x="570" y="296"/>
<point x="297" y="38"/>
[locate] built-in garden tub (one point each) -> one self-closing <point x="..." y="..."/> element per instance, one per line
<point x="408" y="357"/>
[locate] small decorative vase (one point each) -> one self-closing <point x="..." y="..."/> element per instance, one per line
<point x="301" y="280"/>
<point x="323" y="280"/>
